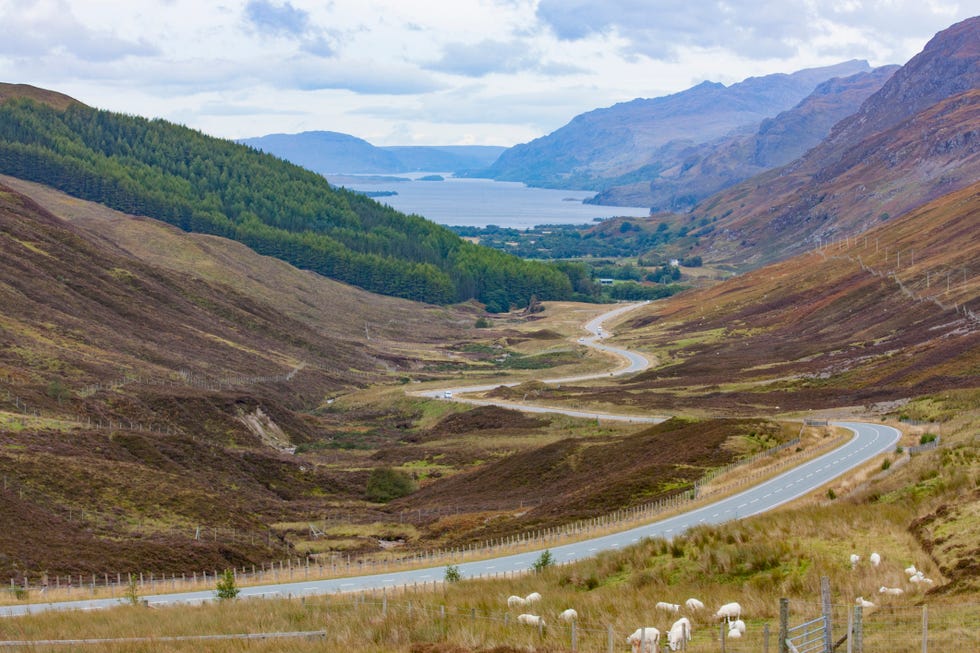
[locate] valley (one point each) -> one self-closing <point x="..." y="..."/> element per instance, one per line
<point x="221" y="375"/>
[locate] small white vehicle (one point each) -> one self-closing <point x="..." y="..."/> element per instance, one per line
<point x="448" y="394"/>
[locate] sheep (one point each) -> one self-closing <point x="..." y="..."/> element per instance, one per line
<point x="893" y="591"/>
<point x="919" y="577"/>
<point x="734" y="633"/>
<point x="515" y="602"/>
<point x="533" y="597"/>
<point x="669" y="607"/>
<point x="863" y="603"/>
<point x="729" y="611"/>
<point x="694" y="605"/>
<point x="648" y="637"/>
<point x="568" y="615"/>
<point x="911" y="570"/>
<point x="679" y="633"/>
<point x="738" y="625"/>
<point x="855" y="559"/>
<point x="875" y="559"/>
<point x="531" y="620"/>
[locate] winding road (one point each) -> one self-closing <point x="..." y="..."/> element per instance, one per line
<point x="869" y="440"/>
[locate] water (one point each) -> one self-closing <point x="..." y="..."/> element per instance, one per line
<point x="481" y="202"/>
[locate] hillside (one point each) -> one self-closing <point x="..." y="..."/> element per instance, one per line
<point x="873" y="319"/>
<point x="913" y="141"/>
<point x="208" y="185"/>
<point x="633" y="136"/>
<point x="701" y="170"/>
<point x="332" y="152"/>
<point x="163" y="375"/>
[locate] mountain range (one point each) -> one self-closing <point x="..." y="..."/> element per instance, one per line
<point x="332" y="152"/>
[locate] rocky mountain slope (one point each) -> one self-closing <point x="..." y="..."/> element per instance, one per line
<point x="636" y="136"/>
<point x="914" y="140"/>
<point x="693" y="173"/>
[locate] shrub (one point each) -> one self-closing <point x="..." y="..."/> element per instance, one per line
<point x="452" y="574"/>
<point x="926" y="438"/>
<point x="885" y="464"/>
<point x="831" y="494"/>
<point x="226" y="588"/>
<point x="544" y="561"/>
<point x="385" y="484"/>
<point x="482" y="323"/>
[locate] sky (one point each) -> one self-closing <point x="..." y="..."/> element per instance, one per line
<point x="426" y="72"/>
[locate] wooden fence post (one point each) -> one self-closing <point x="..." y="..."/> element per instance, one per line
<point x="858" y="629"/>
<point x="783" y="625"/>
<point x="925" y="629"/>
<point x="609" y="638"/>
<point x="828" y="637"/>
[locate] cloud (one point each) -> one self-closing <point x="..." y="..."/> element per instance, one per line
<point x="661" y="30"/>
<point x="366" y="77"/>
<point x="277" y="20"/>
<point x="489" y="57"/>
<point x="50" y="28"/>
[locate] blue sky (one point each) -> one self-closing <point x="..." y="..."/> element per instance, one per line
<point x="486" y="72"/>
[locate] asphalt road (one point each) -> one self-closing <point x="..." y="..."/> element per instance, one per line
<point x="869" y="441"/>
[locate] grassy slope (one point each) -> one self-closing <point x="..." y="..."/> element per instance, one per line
<point x="97" y="300"/>
<point x="819" y="331"/>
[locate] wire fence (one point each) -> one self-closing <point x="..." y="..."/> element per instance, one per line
<point x="412" y="614"/>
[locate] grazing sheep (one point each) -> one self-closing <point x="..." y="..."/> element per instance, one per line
<point x="648" y="638"/>
<point x="694" y="604"/>
<point x="515" y="602"/>
<point x="855" y="559"/>
<point x="531" y="620"/>
<point x="729" y="611"/>
<point x="919" y="577"/>
<point x="734" y="633"/>
<point x="669" y="607"/>
<point x="893" y="591"/>
<point x="863" y="603"/>
<point x="568" y="615"/>
<point x="738" y="625"/>
<point x="875" y="559"/>
<point x="533" y="597"/>
<point x="679" y="633"/>
<point x="911" y="570"/>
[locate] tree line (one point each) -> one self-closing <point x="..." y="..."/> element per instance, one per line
<point x="214" y="186"/>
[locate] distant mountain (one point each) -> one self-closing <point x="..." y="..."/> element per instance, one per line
<point x="213" y="186"/>
<point x="914" y="140"/>
<point x="633" y="137"/>
<point x="692" y="173"/>
<point x="328" y="152"/>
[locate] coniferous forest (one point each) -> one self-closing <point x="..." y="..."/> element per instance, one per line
<point x="213" y="186"/>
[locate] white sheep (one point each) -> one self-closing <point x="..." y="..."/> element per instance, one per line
<point x="875" y="559"/>
<point x="738" y="625"/>
<point x="863" y="603"/>
<point x="648" y="638"/>
<point x="694" y="605"/>
<point x="734" y="633"/>
<point x="679" y="633"/>
<point x="729" y="611"/>
<point x="919" y="577"/>
<point x="911" y="570"/>
<point x="515" y="602"/>
<point x="533" y="597"/>
<point x="669" y="607"/>
<point x="531" y="620"/>
<point x="855" y="559"/>
<point x="568" y="615"/>
<point x="893" y="591"/>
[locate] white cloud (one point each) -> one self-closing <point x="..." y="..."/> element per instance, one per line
<point x="488" y="71"/>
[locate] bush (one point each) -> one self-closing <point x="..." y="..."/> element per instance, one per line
<point x="452" y="574"/>
<point x="885" y="464"/>
<point x="544" y="561"/>
<point x="385" y="484"/>
<point x="226" y="588"/>
<point x="927" y="438"/>
<point x="482" y="323"/>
